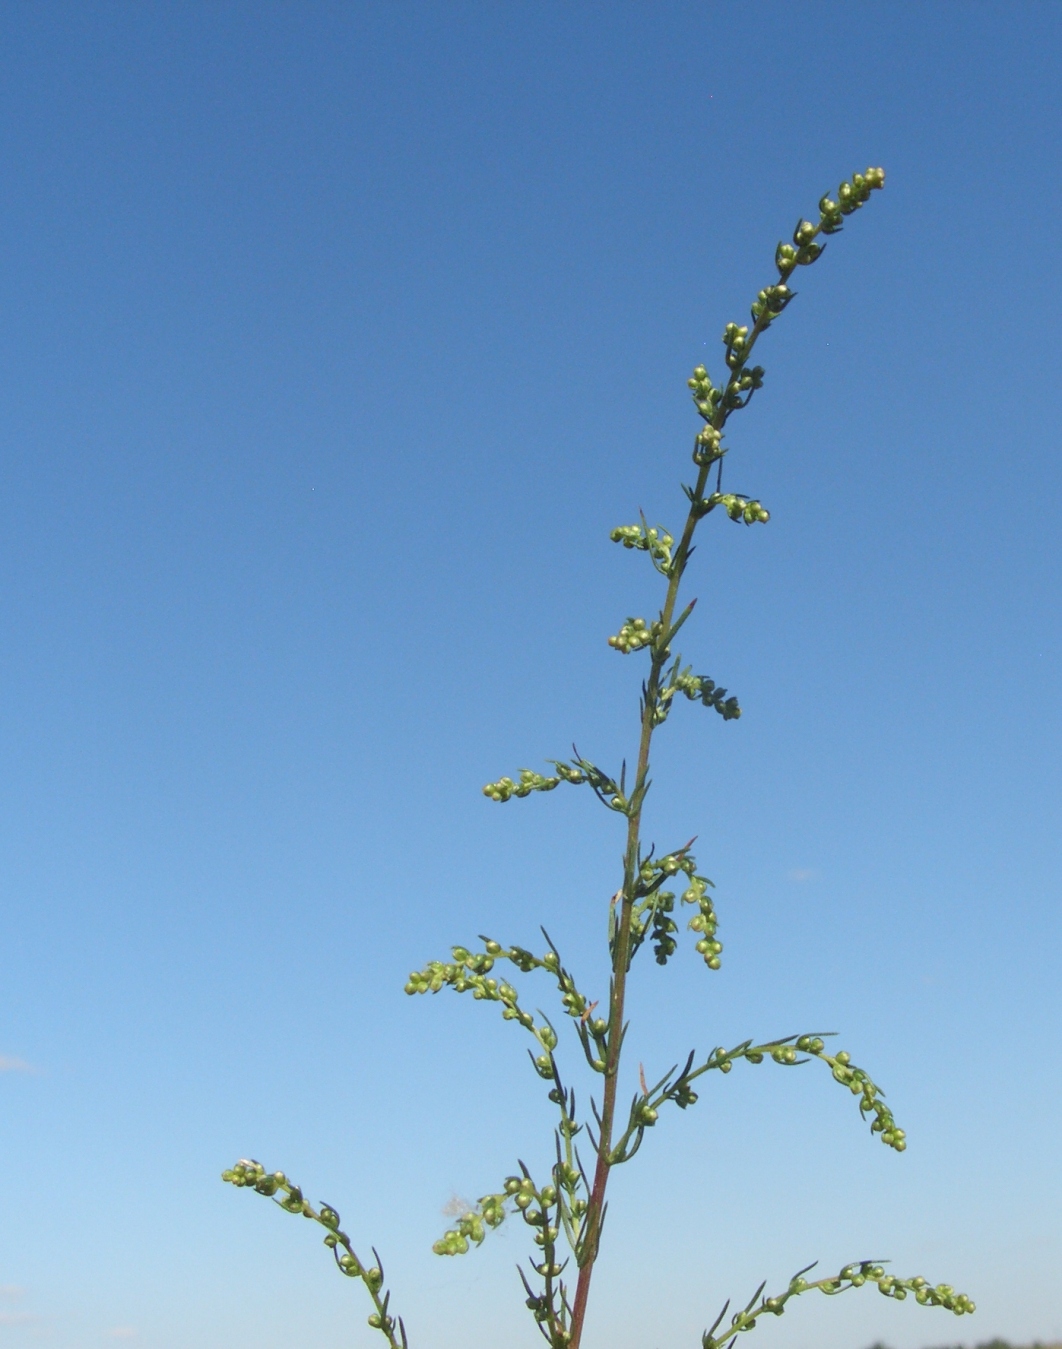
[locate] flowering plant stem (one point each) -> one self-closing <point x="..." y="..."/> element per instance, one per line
<point x="571" y="1202"/>
<point x="628" y="898"/>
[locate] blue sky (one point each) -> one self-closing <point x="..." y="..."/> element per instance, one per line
<point x="336" y="338"/>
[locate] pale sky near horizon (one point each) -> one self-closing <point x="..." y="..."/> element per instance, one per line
<point x="336" y="338"/>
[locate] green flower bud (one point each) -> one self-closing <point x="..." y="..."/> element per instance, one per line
<point x="785" y="258"/>
<point x="804" y="233"/>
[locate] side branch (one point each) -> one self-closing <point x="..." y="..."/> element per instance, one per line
<point x="645" y="1106"/>
<point x="608" y="791"/>
<point x="470" y="972"/>
<point x="253" y="1175"/>
<point x="852" y="1276"/>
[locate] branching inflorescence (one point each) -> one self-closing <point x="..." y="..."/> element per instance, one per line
<point x="565" y="1208"/>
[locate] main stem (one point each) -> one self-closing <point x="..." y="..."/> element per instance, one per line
<point x="621" y="953"/>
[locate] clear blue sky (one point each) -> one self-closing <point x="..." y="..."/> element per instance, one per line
<point x="335" y="339"/>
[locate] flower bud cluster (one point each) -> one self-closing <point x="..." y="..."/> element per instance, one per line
<point x="635" y="634"/>
<point x="471" y="972"/>
<point x="607" y="790"/>
<point x="654" y="540"/>
<point x="653" y="871"/>
<point x="652" y="917"/>
<point x="769" y="303"/>
<point x="867" y="1272"/>
<point x="787" y="1051"/>
<point x="489" y="1212"/>
<point x="664" y="927"/>
<point x="700" y="687"/>
<point x="736" y="340"/>
<point x="541" y="1210"/>
<point x="533" y="1205"/>
<point x="251" y="1174"/>
<point x="706" y="399"/>
<point x="704" y="921"/>
<point x="852" y="1276"/>
<point x="708" y="447"/>
<point x="870" y="1096"/>
<point x="925" y="1293"/>
<point x="737" y="506"/>
<point x="738" y="344"/>
<point x="746" y="382"/>
<point x="505" y="788"/>
<point x="851" y="196"/>
<point x="714" y="404"/>
<point x="697" y="688"/>
<point x="653" y="907"/>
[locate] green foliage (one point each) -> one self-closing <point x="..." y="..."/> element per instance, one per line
<point x="565" y="1208"/>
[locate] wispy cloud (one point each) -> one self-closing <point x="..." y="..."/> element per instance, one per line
<point x="13" y="1065"/>
<point x="803" y="874"/>
<point x="122" y="1333"/>
<point x="13" y="1292"/>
